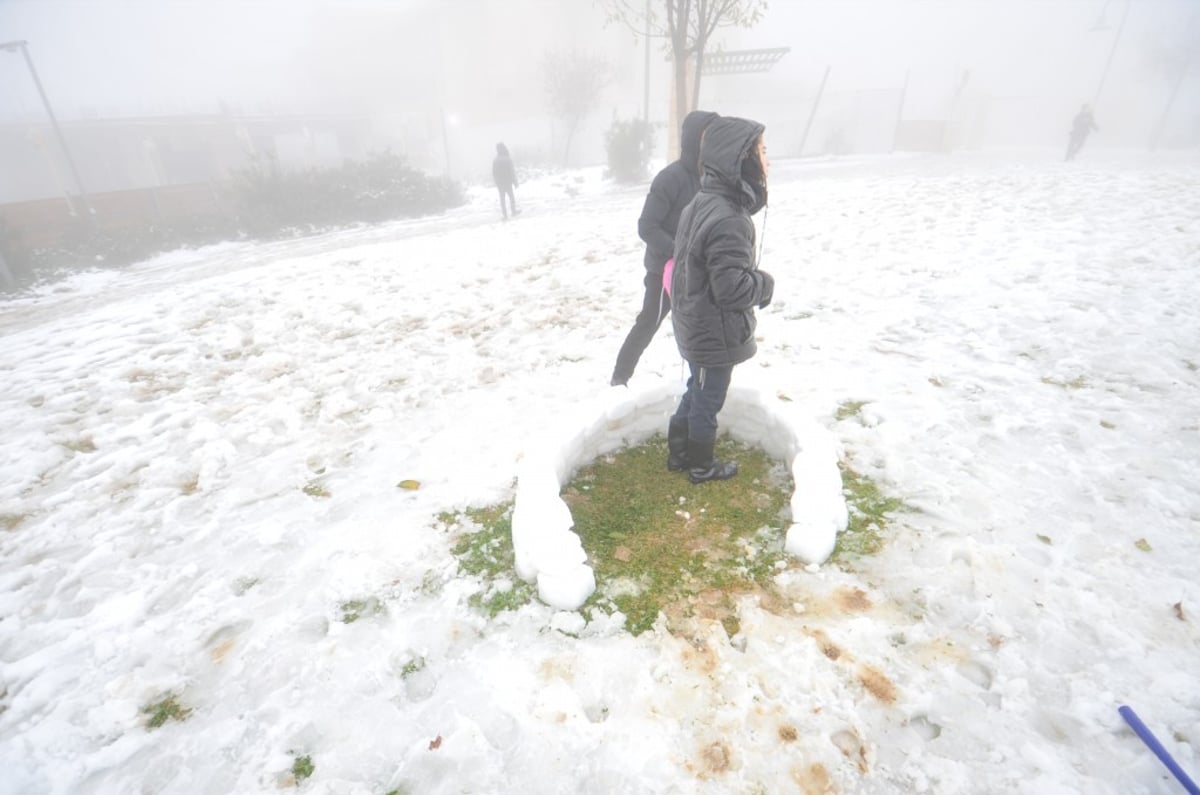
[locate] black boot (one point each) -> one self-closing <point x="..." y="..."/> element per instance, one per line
<point x="702" y="467"/>
<point x="677" y="444"/>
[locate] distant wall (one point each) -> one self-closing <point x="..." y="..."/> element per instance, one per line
<point x="47" y="223"/>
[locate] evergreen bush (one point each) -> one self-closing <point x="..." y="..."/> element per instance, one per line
<point x="630" y="144"/>
<point x="262" y="201"/>
<point x="273" y="202"/>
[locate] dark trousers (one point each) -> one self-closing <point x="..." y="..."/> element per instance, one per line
<point x="506" y="190"/>
<point x="655" y="306"/>
<point x="1074" y="144"/>
<point x="703" y="400"/>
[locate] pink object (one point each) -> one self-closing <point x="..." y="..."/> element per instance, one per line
<point x="668" y="269"/>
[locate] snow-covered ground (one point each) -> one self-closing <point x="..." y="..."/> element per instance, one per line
<point x="1024" y="334"/>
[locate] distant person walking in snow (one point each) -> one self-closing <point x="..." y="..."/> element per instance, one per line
<point x="505" y="177"/>
<point x="1081" y="128"/>
<point x="715" y="288"/>
<point x="670" y="191"/>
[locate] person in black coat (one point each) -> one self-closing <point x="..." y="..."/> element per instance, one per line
<point x="715" y="287"/>
<point x="505" y="177"/>
<point x="1083" y="126"/>
<point x="670" y="191"/>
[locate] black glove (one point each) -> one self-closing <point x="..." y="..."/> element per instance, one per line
<point x="768" y="289"/>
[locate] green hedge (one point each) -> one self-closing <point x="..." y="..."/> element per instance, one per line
<point x="263" y="201"/>
<point x="629" y="144"/>
<point x="272" y="202"/>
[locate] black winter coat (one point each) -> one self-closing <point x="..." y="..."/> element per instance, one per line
<point x="503" y="173"/>
<point x="670" y="192"/>
<point x="716" y="284"/>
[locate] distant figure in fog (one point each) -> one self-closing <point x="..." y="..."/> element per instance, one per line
<point x="505" y="177"/>
<point x="1081" y="128"/>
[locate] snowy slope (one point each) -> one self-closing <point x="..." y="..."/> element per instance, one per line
<point x="1023" y="334"/>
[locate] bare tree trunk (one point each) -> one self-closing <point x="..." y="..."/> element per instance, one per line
<point x="1161" y="127"/>
<point x="812" y="114"/>
<point x="678" y="15"/>
<point x="703" y="14"/>
<point x="567" y="148"/>
<point x="681" y="85"/>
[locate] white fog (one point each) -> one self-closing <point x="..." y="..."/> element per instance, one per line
<point x="1001" y="73"/>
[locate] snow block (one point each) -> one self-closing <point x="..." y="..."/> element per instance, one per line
<point x="548" y="550"/>
<point x="567" y="589"/>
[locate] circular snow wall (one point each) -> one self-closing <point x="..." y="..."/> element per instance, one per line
<point x="549" y="551"/>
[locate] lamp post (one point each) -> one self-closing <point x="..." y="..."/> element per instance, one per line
<point x="1113" y="51"/>
<point x="448" y="120"/>
<point x="13" y="46"/>
<point x="1185" y="65"/>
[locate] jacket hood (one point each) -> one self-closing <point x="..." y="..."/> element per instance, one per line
<point x="689" y="139"/>
<point x="727" y="142"/>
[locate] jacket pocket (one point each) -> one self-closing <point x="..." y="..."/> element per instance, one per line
<point x="737" y="328"/>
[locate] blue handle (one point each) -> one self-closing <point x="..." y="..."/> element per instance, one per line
<point x="1152" y="742"/>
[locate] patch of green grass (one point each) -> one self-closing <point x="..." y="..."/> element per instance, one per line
<point x="354" y="609"/>
<point x="848" y="409"/>
<point x="484" y="549"/>
<point x="84" y="444"/>
<point x="1078" y="382"/>
<point x="869" y="516"/>
<point x="316" y="490"/>
<point x="302" y="767"/>
<point x="412" y="666"/>
<point x="659" y="544"/>
<point x="163" y="710"/>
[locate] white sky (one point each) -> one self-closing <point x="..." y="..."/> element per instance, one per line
<point x="136" y="56"/>
<point x="1022" y="333"/>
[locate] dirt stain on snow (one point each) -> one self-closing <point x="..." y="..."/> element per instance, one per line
<point x="853" y="748"/>
<point x="715" y="759"/>
<point x="875" y="681"/>
<point x="877" y="684"/>
<point x="852" y="600"/>
<point x="558" y="668"/>
<point x="699" y="655"/>
<point x="827" y="646"/>
<point x="222" y="650"/>
<point x="814" y="780"/>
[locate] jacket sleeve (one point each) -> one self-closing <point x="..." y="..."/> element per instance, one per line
<point x="736" y="284"/>
<point x="654" y="214"/>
